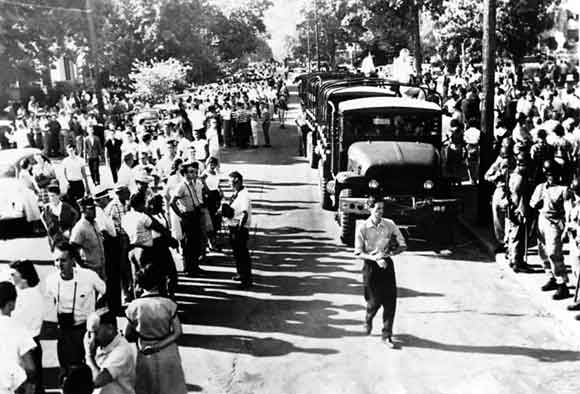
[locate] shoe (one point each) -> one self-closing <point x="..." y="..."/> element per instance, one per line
<point x="245" y="286"/>
<point x="499" y="249"/>
<point x="574" y="307"/>
<point x="236" y="277"/>
<point x="550" y="285"/>
<point x="562" y="292"/>
<point x="388" y="340"/>
<point x="577" y="317"/>
<point x="523" y="268"/>
<point x="368" y="328"/>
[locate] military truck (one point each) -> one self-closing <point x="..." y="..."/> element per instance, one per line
<point x="384" y="143"/>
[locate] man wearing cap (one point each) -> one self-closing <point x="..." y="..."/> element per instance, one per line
<point x="187" y="202"/>
<point x="111" y="246"/>
<point x="116" y="210"/>
<point x="59" y="216"/>
<point x="86" y="236"/>
<point x="549" y="199"/>
<point x="164" y="165"/>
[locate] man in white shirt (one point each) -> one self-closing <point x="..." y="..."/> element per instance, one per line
<point x="75" y="174"/>
<point x="376" y="240"/>
<point x="74" y="291"/>
<point x="17" y="369"/>
<point x="239" y="222"/>
<point x="196" y="117"/>
<point x="126" y="175"/>
<point x="111" y="358"/>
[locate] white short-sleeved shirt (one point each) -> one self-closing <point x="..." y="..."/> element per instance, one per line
<point x="119" y="359"/>
<point x="240" y="204"/>
<point x="16" y="342"/>
<point x="211" y="181"/>
<point x="62" y="293"/>
<point x="29" y="309"/>
<point x="73" y="168"/>
<point x="104" y="222"/>
<point x="137" y="225"/>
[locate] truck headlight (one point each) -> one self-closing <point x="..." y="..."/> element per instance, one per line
<point x="373" y="184"/>
<point x="428" y="185"/>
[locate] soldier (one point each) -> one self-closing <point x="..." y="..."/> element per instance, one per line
<point x="516" y="215"/>
<point x="497" y="174"/>
<point x="573" y="229"/>
<point x="549" y="198"/>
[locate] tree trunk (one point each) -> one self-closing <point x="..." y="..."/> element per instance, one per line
<point x="484" y="195"/>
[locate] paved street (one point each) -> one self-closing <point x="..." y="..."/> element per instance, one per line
<point x="463" y="326"/>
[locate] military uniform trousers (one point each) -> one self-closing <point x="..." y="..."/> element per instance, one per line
<point x="550" y="246"/>
<point x="515" y="239"/>
<point x="499" y="214"/>
<point x="380" y="289"/>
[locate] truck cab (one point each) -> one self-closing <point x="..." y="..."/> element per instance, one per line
<point x="388" y="146"/>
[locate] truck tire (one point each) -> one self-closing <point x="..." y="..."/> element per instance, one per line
<point x="311" y="151"/>
<point x="325" y="201"/>
<point x="347" y="221"/>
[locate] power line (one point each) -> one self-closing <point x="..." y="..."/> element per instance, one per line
<point x="47" y="7"/>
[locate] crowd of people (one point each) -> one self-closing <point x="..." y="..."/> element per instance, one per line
<point x="536" y="151"/>
<point x="115" y="244"/>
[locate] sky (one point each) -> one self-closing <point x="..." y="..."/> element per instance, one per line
<point x="280" y="20"/>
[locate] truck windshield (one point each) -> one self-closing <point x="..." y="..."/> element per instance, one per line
<point x="420" y="127"/>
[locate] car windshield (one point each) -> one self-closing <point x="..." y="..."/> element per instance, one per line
<point x="420" y="127"/>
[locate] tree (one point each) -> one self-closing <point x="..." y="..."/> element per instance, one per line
<point x="519" y="24"/>
<point x="154" y="81"/>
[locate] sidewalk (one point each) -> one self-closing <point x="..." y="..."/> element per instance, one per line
<point x="531" y="283"/>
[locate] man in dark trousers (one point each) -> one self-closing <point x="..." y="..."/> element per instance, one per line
<point x="93" y="150"/>
<point x="376" y="240"/>
<point x="53" y="136"/>
<point x="239" y="221"/>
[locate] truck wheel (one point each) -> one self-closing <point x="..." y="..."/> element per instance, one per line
<point x="325" y="201"/>
<point x="347" y="221"/>
<point x="311" y="151"/>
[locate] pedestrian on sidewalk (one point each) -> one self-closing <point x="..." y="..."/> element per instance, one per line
<point x="549" y="198"/>
<point x="376" y="240"/>
<point x="86" y="236"/>
<point x="74" y="291"/>
<point x="93" y="150"/>
<point x="266" y="119"/>
<point x="108" y="354"/>
<point x="29" y="309"/>
<point x="239" y="220"/>
<point x="154" y="324"/>
<point x="498" y="175"/>
<point x="573" y="232"/>
<point x="17" y="350"/>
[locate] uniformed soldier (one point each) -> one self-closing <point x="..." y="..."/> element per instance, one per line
<point x="573" y="230"/>
<point x="516" y="215"/>
<point x="497" y="174"/>
<point x="376" y="240"/>
<point x="549" y="198"/>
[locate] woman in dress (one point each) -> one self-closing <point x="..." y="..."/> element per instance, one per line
<point x="175" y="179"/>
<point x="212" y="137"/>
<point x="29" y="309"/>
<point x="153" y="323"/>
<point x="255" y="124"/>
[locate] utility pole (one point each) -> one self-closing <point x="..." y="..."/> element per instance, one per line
<point x="95" y="66"/>
<point x="416" y="10"/>
<point x="308" y="47"/>
<point x="484" y="192"/>
<point x="317" y="35"/>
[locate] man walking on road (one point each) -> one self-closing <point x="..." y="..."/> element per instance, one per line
<point x="376" y="240"/>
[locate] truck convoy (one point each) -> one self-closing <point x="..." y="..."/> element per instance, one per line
<point x="370" y="135"/>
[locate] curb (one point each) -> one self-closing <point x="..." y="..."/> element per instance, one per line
<point x="567" y="324"/>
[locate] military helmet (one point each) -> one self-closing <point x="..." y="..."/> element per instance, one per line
<point x="549" y="167"/>
<point x="522" y="158"/>
<point x="575" y="186"/>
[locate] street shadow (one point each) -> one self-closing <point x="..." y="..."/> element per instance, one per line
<point x="543" y="355"/>
<point x="254" y="346"/>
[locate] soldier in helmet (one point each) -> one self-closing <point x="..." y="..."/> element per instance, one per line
<point x="497" y="174"/>
<point x="549" y="198"/>
<point x="540" y="152"/>
<point x="573" y="230"/>
<point x="516" y="214"/>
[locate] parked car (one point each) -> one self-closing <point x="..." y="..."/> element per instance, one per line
<point x="19" y="210"/>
